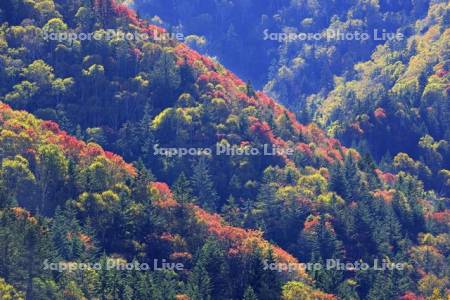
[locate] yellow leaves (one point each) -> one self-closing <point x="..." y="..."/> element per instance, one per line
<point x="441" y="241"/>
<point x="330" y="198"/>
<point x="433" y="287"/>
<point x="52" y="162"/>
<point x="406" y="86"/>
<point x="16" y="171"/>
<point x="13" y="143"/>
<point x="8" y="292"/>
<point x="436" y="89"/>
<point x="198" y="41"/>
<point x="162" y="118"/>
<point x="445" y="175"/>
<point x="313" y="184"/>
<point x="142" y="82"/>
<point x="287" y="193"/>
<point x="39" y="72"/>
<point x="295" y="290"/>
<point x="109" y="197"/>
<point x="55" y="25"/>
<point x="218" y="110"/>
<point x="427" y="47"/>
<point x="250" y="111"/>
<point x="233" y="123"/>
<point x="298" y="63"/>
<point x="402" y="162"/>
<point x="98" y="202"/>
<point x="22" y="92"/>
<point x="61" y="86"/>
<point x="184" y="115"/>
<point x="94" y="71"/>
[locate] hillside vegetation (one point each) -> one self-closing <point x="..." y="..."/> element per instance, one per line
<point x="222" y="216"/>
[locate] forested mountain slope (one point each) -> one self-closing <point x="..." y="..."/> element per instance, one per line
<point x="400" y="102"/>
<point x="324" y="201"/>
<point x="387" y="96"/>
<point x="293" y="70"/>
<point x="112" y="207"/>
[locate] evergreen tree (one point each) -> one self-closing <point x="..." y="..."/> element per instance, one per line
<point x="203" y="186"/>
<point x="249" y="294"/>
<point x="199" y="283"/>
<point x="182" y="190"/>
<point x="232" y="213"/>
<point x="352" y="179"/>
<point x="65" y="230"/>
<point x="338" y="182"/>
<point x="141" y="182"/>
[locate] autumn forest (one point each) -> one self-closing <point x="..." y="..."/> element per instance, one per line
<point x="225" y="150"/>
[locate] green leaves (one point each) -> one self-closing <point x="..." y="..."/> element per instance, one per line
<point x="39" y="73"/>
<point x="16" y="179"/>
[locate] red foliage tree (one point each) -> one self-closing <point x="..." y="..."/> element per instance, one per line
<point x="379" y="114"/>
<point x="411" y="296"/>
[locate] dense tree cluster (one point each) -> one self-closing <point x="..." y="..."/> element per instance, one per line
<point x="104" y="210"/>
<point x="398" y="106"/>
<point x="363" y="91"/>
<point x="223" y="216"/>
<point x="237" y="32"/>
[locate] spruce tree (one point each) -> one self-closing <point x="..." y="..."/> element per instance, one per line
<point x="203" y="187"/>
<point x="249" y="294"/>
<point x="182" y="189"/>
<point x="199" y="284"/>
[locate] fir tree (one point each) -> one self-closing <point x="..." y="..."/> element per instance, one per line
<point x="249" y="294"/>
<point x="182" y="189"/>
<point x="203" y="187"/>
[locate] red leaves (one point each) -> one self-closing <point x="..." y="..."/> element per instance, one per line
<point x="92" y="150"/>
<point x="22" y="214"/>
<point x="386" y="178"/>
<point x="50" y="125"/>
<point x="262" y="129"/>
<point x="186" y="54"/>
<point x="84" y="238"/>
<point x="387" y="196"/>
<point x="48" y="132"/>
<point x="442" y="73"/>
<point x="105" y="7"/>
<point x="357" y="128"/>
<point x="181" y="256"/>
<point x="330" y="149"/>
<point x="411" y="296"/>
<point x="442" y="217"/>
<point x="70" y="144"/>
<point x="124" y="11"/>
<point x="137" y="53"/>
<point x="242" y="241"/>
<point x="265" y="100"/>
<point x="4" y="107"/>
<point x="152" y="31"/>
<point x="166" y="236"/>
<point x="203" y="81"/>
<point x="118" y="161"/>
<point x="379" y="114"/>
<point x="162" y="195"/>
<point x="311" y="223"/>
<point x="162" y="189"/>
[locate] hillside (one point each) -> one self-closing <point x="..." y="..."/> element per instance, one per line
<point x="323" y="201"/>
<point x="399" y="104"/>
<point x="386" y="96"/>
<point x="293" y="70"/>
<point x="40" y="159"/>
